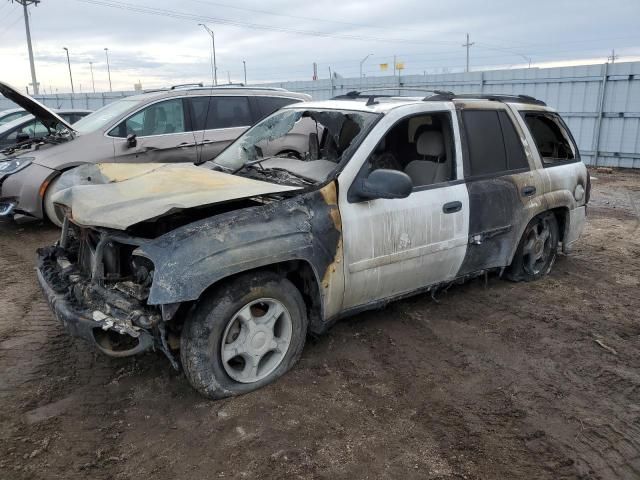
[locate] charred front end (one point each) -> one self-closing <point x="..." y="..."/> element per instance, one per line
<point x="97" y="286"/>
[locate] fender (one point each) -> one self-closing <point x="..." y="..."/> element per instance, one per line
<point x="307" y="227"/>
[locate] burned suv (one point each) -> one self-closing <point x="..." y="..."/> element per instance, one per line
<point x="226" y="267"/>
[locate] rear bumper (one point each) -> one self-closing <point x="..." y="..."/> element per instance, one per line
<point x="91" y="326"/>
<point x="574" y="228"/>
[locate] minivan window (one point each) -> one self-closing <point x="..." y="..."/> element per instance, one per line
<point x="209" y="113"/>
<point x="102" y="117"/>
<point x="160" y="118"/>
<point x="268" y="105"/>
<point x="551" y="138"/>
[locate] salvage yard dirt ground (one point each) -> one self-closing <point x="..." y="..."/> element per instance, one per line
<point x="527" y="381"/>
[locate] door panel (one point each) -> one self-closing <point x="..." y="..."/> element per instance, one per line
<point x="397" y="246"/>
<point x="162" y="135"/>
<point x="496" y="211"/>
<point x="217" y="121"/>
<point x="501" y="186"/>
<point x="211" y="142"/>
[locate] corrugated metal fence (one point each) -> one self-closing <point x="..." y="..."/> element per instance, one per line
<point x="600" y="103"/>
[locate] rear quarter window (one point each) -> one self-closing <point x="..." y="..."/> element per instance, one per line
<point x="552" y="138"/>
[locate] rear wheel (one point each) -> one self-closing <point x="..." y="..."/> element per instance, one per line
<point x="244" y="335"/>
<point x="537" y="249"/>
<point x="49" y="210"/>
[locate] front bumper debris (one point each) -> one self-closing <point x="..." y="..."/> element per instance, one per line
<point x="111" y="333"/>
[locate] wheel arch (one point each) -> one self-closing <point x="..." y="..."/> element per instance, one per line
<point x="301" y="273"/>
<point x="559" y="203"/>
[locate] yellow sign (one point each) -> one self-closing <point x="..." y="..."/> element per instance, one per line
<point x="384" y="66"/>
<point x="399" y="65"/>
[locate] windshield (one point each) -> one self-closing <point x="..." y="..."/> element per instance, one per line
<point x="104" y="116"/>
<point x="306" y="143"/>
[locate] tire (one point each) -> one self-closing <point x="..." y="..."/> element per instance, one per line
<point x="537" y="250"/>
<point x="49" y="210"/>
<point x="236" y="318"/>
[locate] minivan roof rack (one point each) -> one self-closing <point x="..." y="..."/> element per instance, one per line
<point x="497" y="97"/>
<point x="185" y="85"/>
<point x="226" y="86"/>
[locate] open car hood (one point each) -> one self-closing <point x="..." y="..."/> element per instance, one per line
<point x="47" y="116"/>
<point x="119" y="195"/>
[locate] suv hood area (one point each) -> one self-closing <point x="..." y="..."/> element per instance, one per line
<point x="119" y="195"/>
<point x="48" y="117"/>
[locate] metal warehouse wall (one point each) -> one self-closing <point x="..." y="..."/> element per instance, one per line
<point x="600" y="103"/>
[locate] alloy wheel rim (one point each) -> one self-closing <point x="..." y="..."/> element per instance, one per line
<point x="256" y="340"/>
<point x="537" y="248"/>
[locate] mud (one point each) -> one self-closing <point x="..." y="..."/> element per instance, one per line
<point x="493" y="382"/>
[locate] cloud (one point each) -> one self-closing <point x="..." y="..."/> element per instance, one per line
<point x="427" y="36"/>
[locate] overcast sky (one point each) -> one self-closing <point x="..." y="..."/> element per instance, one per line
<point x="160" y="43"/>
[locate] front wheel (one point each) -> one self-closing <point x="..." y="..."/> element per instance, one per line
<point x="537" y="249"/>
<point x="244" y="335"/>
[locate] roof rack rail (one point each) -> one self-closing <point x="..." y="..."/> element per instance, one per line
<point x="497" y="97"/>
<point x="371" y="99"/>
<point x="185" y="85"/>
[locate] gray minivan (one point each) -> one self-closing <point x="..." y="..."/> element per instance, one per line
<point x="180" y="124"/>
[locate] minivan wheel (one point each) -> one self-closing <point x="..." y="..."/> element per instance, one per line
<point x="49" y="210"/>
<point x="537" y="249"/>
<point x="243" y="335"/>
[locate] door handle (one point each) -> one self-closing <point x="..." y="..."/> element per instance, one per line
<point x="528" y="191"/>
<point x="205" y="142"/>
<point x="185" y="145"/>
<point x="452" y="207"/>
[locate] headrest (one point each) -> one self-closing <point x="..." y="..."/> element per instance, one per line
<point x="430" y="143"/>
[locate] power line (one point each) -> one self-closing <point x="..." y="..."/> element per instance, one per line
<point x="236" y="23"/>
<point x="312" y="19"/>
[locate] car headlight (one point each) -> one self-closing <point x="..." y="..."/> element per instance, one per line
<point x="14" y="165"/>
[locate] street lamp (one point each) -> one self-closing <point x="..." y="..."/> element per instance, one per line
<point x="93" y="83"/>
<point x="362" y="63"/>
<point x="69" y="64"/>
<point x="106" y="52"/>
<point x="214" y="68"/>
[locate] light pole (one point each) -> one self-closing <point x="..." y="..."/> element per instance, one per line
<point x="24" y="4"/>
<point x="106" y="52"/>
<point x="93" y="83"/>
<point x="244" y="66"/>
<point x="214" y="68"/>
<point x="467" y="45"/>
<point x="362" y="63"/>
<point x="69" y="64"/>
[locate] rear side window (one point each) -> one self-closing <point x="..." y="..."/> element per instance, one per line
<point x="516" y="158"/>
<point x="210" y="113"/>
<point x="268" y="105"/>
<point x="552" y="138"/>
<point x="493" y="145"/>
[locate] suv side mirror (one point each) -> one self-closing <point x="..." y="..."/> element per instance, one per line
<point x="131" y="140"/>
<point x="21" y="137"/>
<point x="384" y="183"/>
